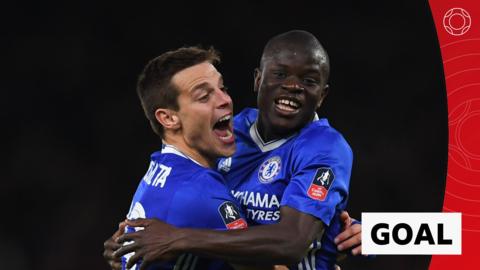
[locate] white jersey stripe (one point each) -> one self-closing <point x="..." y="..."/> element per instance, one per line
<point x="307" y="264"/>
<point x="179" y="261"/>
<point x="187" y="262"/>
<point x="271" y="145"/>
<point x="170" y="149"/>
<point x="312" y="254"/>
<point x="194" y="263"/>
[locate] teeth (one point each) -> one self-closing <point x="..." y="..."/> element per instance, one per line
<point x="225" y="118"/>
<point x="286" y="108"/>
<point x="289" y="103"/>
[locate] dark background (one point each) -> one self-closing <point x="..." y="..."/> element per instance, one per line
<point x="75" y="141"/>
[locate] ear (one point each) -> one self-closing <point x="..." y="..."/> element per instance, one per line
<point x="323" y="95"/>
<point x="168" y="119"/>
<point x="257" y="75"/>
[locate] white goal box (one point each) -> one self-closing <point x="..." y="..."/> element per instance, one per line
<point x="412" y="233"/>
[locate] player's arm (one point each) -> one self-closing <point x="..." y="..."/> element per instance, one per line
<point x="283" y="243"/>
<point x="349" y="239"/>
<point x="337" y="157"/>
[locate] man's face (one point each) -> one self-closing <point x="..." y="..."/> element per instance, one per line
<point x="290" y="85"/>
<point x="205" y="111"/>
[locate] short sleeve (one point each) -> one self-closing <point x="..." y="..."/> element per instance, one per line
<point x="320" y="175"/>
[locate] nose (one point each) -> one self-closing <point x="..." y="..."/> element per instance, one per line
<point x="224" y="99"/>
<point x="292" y="84"/>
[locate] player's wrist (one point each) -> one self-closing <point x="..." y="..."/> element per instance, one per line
<point x="181" y="242"/>
<point x="194" y="241"/>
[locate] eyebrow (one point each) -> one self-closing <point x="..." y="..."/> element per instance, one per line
<point x="205" y="85"/>
<point x="310" y="69"/>
<point x="199" y="87"/>
<point x="310" y="66"/>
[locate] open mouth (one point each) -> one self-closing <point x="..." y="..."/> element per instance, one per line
<point x="287" y="105"/>
<point x="223" y="128"/>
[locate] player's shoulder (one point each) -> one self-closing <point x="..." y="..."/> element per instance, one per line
<point x="249" y="114"/>
<point x="320" y="137"/>
<point x="170" y="156"/>
<point x="211" y="175"/>
<point x="245" y="119"/>
<point x="206" y="179"/>
<point x="215" y="181"/>
<point x="182" y="168"/>
<point x="320" y="127"/>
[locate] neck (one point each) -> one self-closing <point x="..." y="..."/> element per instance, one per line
<point x="191" y="153"/>
<point x="267" y="133"/>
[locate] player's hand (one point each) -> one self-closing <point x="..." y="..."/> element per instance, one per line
<point x="111" y="246"/>
<point x="351" y="236"/>
<point x="152" y="244"/>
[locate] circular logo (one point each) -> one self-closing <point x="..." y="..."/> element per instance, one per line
<point x="269" y="169"/>
<point x="457" y="21"/>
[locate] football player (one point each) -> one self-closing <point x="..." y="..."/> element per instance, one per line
<point x="184" y="98"/>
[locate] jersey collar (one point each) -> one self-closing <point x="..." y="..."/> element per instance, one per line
<point x="170" y="149"/>
<point x="271" y="145"/>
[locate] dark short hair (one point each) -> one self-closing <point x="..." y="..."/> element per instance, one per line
<point x="155" y="88"/>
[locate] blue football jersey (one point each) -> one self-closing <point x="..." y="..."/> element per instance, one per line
<point x="181" y="192"/>
<point x="309" y="171"/>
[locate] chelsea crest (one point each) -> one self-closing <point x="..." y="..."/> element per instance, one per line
<point x="269" y="169"/>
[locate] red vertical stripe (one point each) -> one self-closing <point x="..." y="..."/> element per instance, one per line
<point x="460" y="47"/>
